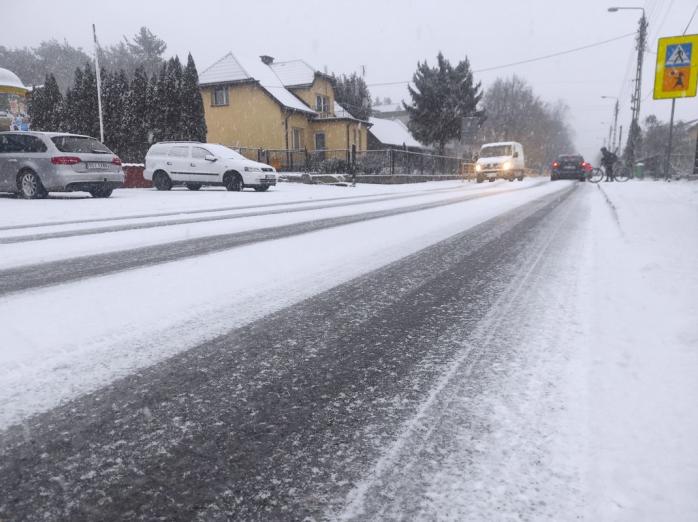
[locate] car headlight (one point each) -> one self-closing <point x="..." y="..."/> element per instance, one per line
<point x="253" y="169"/>
<point x="506" y="165"/>
<point x="478" y="167"/>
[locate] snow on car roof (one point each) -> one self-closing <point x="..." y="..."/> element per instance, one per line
<point x="500" y="143"/>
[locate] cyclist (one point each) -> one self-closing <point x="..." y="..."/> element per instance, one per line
<point x="608" y="158"/>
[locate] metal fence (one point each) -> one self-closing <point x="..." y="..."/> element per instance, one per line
<point x="388" y="162"/>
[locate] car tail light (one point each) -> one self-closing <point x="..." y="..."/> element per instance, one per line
<point x="555" y="164"/>
<point x="116" y="161"/>
<point x="65" y="160"/>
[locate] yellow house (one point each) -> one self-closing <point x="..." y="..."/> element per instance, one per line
<point x="258" y="103"/>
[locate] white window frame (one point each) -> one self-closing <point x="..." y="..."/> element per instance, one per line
<point x="226" y="98"/>
<point x="322" y="103"/>
<point x="296" y="138"/>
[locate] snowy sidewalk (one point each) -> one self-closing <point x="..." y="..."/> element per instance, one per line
<point x="643" y="352"/>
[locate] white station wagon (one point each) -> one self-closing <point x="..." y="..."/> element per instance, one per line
<point x="195" y="164"/>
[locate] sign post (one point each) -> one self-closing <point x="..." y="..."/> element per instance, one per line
<point x="676" y="75"/>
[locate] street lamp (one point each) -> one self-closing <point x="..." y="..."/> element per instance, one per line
<point x="612" y="141"/>
<point x="637" y="95"/>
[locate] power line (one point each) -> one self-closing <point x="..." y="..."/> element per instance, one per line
<point x="539" y="58"/>
<point x="689" y="22"/>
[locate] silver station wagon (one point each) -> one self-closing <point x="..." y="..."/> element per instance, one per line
<point x="33" y="164"/>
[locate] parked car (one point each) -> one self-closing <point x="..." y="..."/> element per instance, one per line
<point x="569" y="166"/>
<point x="504" y="160"/>
<point x="36" y="163"/>
<point x="195" y="164"/>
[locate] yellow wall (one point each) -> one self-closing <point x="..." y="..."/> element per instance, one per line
<point x="320" y="86"/>
<point x="300" y="121"/>
<point x="336" y="134"/>
<point x="251" y="118"/>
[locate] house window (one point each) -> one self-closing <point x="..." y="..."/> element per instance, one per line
<point x="322" y="103"/>
<point x="297" y="139"/>
<point x="220" y="96"/>
<point x="320" y="141"/>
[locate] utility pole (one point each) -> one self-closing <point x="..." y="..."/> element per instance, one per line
<point x="615" y="121"/>
<point x="99" y="85"/>
<point x="634" y="132"/>
<point x="640" y="45"/>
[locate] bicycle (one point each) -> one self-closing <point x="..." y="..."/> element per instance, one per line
<point x="621" y="172"/>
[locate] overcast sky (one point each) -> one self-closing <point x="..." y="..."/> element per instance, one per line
<point x="387" y="38"/>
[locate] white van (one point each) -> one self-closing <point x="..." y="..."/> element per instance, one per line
<point x="504" y="160"/>
<point x="195" y="164"/>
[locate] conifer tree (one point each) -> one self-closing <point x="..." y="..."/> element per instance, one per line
<point x="114" y="93"/>
<point x="81" y="114"/>
<point x="171" y="99"/>
<point x="136" y="117"/>
<point x="351" y="92"/>
<point x="46" y="106"/>
<point x="193" y="123"/>
<point x="441" y="97"/>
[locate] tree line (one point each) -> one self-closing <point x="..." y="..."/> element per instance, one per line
<point x="136" y="112"/>
<point x="145" y="98"/>
<point x="33" y="64"/>
<point x="443" y="96"/>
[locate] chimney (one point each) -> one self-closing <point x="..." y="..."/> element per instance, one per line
<point x="267" y="60"/>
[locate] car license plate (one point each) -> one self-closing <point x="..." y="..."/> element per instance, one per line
<point x="98" y="165"/>
<point x="569" y="167"/>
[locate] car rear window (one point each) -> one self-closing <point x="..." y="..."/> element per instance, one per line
<point x="13" y="143"/>
<point x="569" y="157"/>
<point x="80" y="144"/>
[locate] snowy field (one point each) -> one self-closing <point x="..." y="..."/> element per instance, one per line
<point x="597" y="422"/>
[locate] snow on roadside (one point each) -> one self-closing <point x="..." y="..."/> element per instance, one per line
<point x="127" y="202"/>
<point x="643" y="367"/>
<point x="585" y="405"/>
<point x="82" y="335"/>
<point x="45" y="250"/>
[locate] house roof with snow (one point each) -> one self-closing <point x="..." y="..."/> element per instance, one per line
<point x="393" y="132"/>
<point x="235" y="69"/>
<point x="294" y="73"/>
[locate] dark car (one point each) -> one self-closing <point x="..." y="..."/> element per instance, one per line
<point x="569" y="166"/>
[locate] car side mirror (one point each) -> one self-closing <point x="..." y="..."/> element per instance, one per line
<point x="210" y="157"/>
<point x="516" y="154"/>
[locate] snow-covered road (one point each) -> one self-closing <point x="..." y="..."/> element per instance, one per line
<point x="450" y="351"/>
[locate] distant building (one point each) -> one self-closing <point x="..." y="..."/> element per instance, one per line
<point x="392" y="134"/>
<point x="391" y="111"/>
<point x="260" y="103"/>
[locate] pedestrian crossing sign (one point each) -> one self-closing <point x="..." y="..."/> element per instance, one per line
<point x="676" y="75"/>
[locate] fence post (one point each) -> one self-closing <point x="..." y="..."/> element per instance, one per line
<point x="353" y="165"/>
<point x="259" y="155"/>
<point x="391" y="155"/>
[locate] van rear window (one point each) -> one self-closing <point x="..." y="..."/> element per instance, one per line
<point x="80" y="144"/>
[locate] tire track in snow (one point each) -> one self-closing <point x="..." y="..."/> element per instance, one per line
<point x="272" y="420"/>
<point x="56" y="272"/>
<point x="183" y="221"/>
